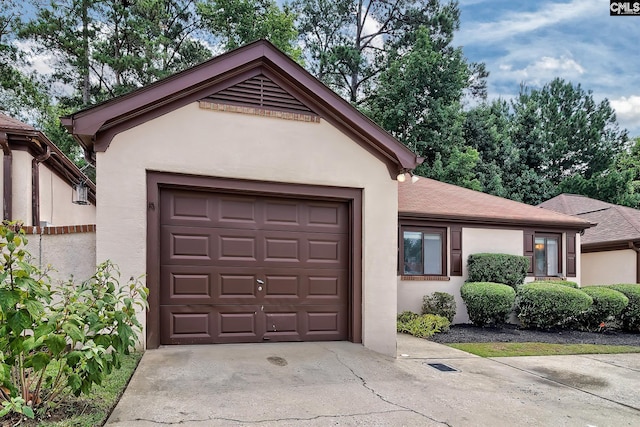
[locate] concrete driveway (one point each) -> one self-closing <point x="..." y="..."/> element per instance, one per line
<point x="344" y="384"/>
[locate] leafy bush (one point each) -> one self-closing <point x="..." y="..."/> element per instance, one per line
<point x="549" y="305"/>
<point x="562" y="282"/>
<point x="407" y="316"/>
<point x="630" y="316"/>
<point x="80" y="331"/>
<point x="488" y="303"/>
<point x="422" y="326"/>
<point x="607" y="306"/>
<point x="440" y="303"/>
<point x="498" y="268"/>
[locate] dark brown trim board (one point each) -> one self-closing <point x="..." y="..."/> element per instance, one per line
<point x="160" y="180"/>
<point x="95" y="127"/>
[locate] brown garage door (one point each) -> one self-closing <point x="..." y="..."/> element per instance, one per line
<point x="239" y="268"/>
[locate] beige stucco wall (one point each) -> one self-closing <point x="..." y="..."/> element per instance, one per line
<point x="72" y="254"/>
<point x="203" y="142"/>
<point x="55" y="202"/>
<point x="21" y="186"/>
<point x="609" y="267"/>
<point x="474" y="240"/>
<point x="55" y="195"/>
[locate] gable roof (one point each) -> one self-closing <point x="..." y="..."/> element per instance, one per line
<point x="434" y="200"/>
<point x="19" y="134"/>
<point x="615" y="223"/>
<point x="95" y="127"/>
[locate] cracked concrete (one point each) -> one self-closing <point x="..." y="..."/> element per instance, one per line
<point x="340" y="383"/>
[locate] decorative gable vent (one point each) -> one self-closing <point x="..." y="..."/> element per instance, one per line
<point x="260" y="92"/>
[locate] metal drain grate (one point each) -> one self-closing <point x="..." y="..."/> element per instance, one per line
<point x="442" y="367"/>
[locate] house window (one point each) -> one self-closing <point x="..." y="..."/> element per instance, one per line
<point x="546" y="255"/>
<point x="423" y="251"/>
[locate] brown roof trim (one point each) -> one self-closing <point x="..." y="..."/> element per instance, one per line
<point x="91" y="126"/>
<point x="479" y="221"/>
<point x="36" y="143"/>
<point x="616" y="245"/>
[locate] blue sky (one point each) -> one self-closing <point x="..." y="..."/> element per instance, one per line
<point x="533" y="42"/>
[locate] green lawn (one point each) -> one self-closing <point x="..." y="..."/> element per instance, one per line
<point x="502" y="349"/>
<point x="94" y="410"/>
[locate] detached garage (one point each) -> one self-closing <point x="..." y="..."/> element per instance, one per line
<point x="260" y="205"/>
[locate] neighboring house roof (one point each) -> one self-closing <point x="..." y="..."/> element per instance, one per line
<point x="18" y="135"/>
<point x="434" y="200"/>
<point x="95" y="127"/>
<point x="615" y="224"/>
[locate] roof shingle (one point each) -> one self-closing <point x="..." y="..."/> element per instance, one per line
<point x="432" y="199"/>
<point x="615" y="223"/>
<point x="7" y="122"/>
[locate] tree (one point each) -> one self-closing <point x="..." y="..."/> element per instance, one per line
<point x="562" y="133"/>
<point x="105" y="48"/>
<point x="238" y="22"/>
<point x="21" y="94"/>
<point x="350" y="43"/>
<point x="418" y="100"/>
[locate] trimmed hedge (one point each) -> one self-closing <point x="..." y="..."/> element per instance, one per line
<point x="549" y="305"/>
<point x="440" y="303"/>
<point x="488" y="303"/>
<point x="421" y="326"/>
<point x="630" y="316"/>
<point x="562" y="282"/>
<point x="607" y="305"/>
<point x="497" y="268"/>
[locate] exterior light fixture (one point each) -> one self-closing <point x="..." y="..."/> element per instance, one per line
<point x="414" y="178"/>
<point x="80" y="194"/>
<point x="401" y="177"/>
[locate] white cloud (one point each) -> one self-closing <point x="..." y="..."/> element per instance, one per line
<point x="541" y="71"/>
<point x="627" y="111"/>
<point x="514" y="23"/>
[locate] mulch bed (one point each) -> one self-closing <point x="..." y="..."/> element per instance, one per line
<point x="464" y="333"/>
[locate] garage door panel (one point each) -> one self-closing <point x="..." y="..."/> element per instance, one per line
<point x="186" y="324"/>
<point x="187" y="208"/>
<point x="238" y="268"/>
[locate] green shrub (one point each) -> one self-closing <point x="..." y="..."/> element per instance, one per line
<point x="607" y="305"/>
<point x="421" y="326"/>
<point x="630" y="316"/>
<point x="440" y="303"/>
<point x="488" y="303"/>
<point x="561" y="282"/>
<point x="498" y="268"/>
<point x="549" y="305"/>
<point x="79" y="330"/>
<point x="407" y="316"/>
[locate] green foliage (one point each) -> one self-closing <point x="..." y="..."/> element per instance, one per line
<point x="630" y="316"/>
<point x="607" y="306"/>
<point x="79" y="331"/>
<point x="488" y="303"/>
<point x="350" y="57"/>
<point x="562" y="282"/>
<point x="497" y="268"/>
<point x="238" y="22"/>
<point x="440" y="303"/>
<point x="422" y="326"/>
<point x="549" y="305"/>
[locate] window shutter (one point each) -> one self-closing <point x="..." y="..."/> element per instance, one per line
<point x="571" y="255"/>
<point x="528" y="249"/>
<point x="456" y="250"/>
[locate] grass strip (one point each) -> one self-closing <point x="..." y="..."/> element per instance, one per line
<point x="512" y="349"/>
<point x="93" y="410"/>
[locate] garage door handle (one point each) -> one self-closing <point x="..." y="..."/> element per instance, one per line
<point x="260" y="282"/>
